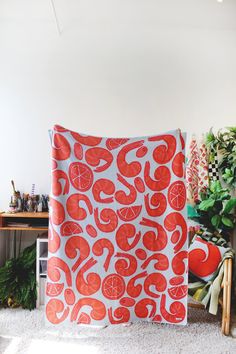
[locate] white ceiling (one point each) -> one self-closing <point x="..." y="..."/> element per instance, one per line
<point x="202" y="14"/>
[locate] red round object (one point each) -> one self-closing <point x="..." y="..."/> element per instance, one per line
<point x="113" y="287"/>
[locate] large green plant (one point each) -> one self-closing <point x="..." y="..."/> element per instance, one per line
<point x="225" y="142"/>
<point x="216" y="208"/>
<point x="18" y="280"/>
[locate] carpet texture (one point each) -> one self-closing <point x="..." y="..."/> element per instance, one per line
<point x="24" y="332"/>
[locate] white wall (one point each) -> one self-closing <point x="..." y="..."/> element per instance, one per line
<point x="119" y="68"/>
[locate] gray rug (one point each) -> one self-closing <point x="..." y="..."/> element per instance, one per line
<point x="24" y="332"/>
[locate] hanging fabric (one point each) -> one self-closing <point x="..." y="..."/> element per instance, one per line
<point x="192" y="171"/>
<point x="118" y="233"/>
<point x="203" y="178"/>
<point x="213" y="166"/>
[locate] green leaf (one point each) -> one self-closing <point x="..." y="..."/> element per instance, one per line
<point x="227" y="222"/>
<point x="228" y="172"/>
<point x="206" y="204"/>
<point x="229" y="206"/>
<point x="215" y="220"/>
<point x="210" y="138"/>
<point x="225" y="196"/>
<point x="229" y="180"/>
<point x="192" y="212"/>
<point x="203" y="196"/>
<point x="215" y="186"/>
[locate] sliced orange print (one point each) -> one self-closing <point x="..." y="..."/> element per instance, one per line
<point x="177" y="195"/>
<point x="113" y="287"/>
<point x="81" y="176"/>
<point x="70" y="228"/>
<point x="178" y="292"/>
<point x="54" y="289"/>
<point x="129" y="213"/>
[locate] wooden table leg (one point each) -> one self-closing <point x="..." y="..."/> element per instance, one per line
<point x="228" y="302"/>
<point x="224" y="295"/>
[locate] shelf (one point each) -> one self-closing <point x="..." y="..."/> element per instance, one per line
<point x="43" y="215"/>
<point x="42" y="238"/>
<point x="19" y="221"/>
<point x="44" y="254"/>
<point x="30" y="228"/>
<point x="41" y="266"/>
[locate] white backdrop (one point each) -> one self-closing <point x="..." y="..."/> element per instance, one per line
<point x="119" y="68"/>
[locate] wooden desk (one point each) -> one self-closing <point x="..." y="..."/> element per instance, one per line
<point x="36" y="221"/>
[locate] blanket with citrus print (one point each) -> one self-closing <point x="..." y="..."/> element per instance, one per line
<point x="117" y="233"/>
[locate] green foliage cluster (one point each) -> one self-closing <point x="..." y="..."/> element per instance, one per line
<point x="216" y="209"/>
<point x="225" y="142"/>
<point x="18" y="280"/>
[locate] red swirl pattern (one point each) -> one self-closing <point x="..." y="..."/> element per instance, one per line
<point x="118" y="234"/>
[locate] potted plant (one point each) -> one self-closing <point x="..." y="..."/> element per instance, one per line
<point x="215" y="210"/>
<point x="225" y="142"/>
<point x="18" y="280"/>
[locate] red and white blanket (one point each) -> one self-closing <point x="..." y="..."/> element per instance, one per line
<point x="118" y="233"/>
